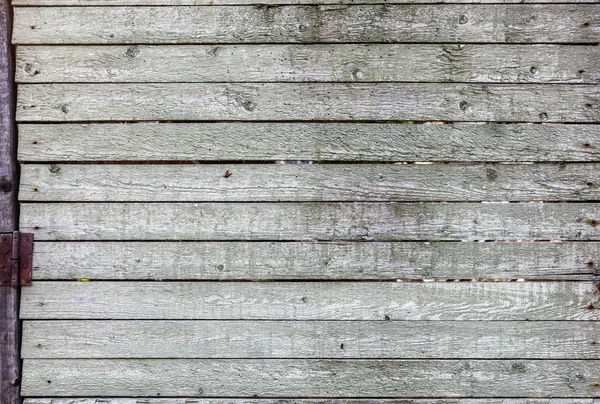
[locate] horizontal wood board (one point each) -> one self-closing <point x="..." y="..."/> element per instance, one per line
<point x="308" y="141"/>
<point x="317" y="182"/>
<point x="309" y="24"/>
<point x="314" y="260"/>
<point x="311" y="221"/>
<point x="309" y="401"/>
<point x="310" y="63"/>
<point x="309" y="101"/>
<point x="313" y="339"/>
<point x="273" y="2"/>
<point x="312" y="300"/>
<point x="310" y="378"/>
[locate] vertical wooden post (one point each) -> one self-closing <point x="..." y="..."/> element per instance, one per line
<point x="9" y="328"/>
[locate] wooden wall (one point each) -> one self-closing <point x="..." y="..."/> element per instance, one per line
<point x="438" y="243"/>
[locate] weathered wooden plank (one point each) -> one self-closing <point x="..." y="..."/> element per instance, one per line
<point x="311" y="378"/>
<point x="312" y="300"/>
<point x="268" y="2"/>
<point x="310" y="63"/>
<point x="311" y="221"/>
<point x="9" y="324"/>
<point x="308" y="141"/>
<point x="311" y="339"/>
<point x="309" y="24"/>
<point x="316" y="260"/>
<point x="320" y="182"/>
<point x="309" y="101"/>
<point x="310" y="401"/>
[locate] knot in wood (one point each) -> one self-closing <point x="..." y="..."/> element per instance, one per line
<point x="5" y="185"/>
<point x="133" y="51"/>
<point x="357" y="74"/>
<point x="29" y="69"/>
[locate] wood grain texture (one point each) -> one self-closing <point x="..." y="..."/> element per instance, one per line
<point x="8" y="135"/>
<point x="309" y="101"/>
<point x="311" y="221"/>
<point x="308" y="141"/>
<point x="312" y="300"/>
<point x="563" y="23"/>
<point x="310" y="401"/>
<point x="270" y="2"/>
<point x="316" y="260"/>
<point x="319" y="182"/>
<point x="310" y="63"/>
<point x="10" y="366"/>
<point x="314" y="339"/>
<point x="310" y="378"/>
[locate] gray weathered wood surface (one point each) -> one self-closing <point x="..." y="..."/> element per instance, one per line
<point x="312" y="339"/>
<point x="312" y="300"/>
<point x="392" y="221"/>
<point x="220" y="280"/>
<point x="317" y="182"/>
<point x="314" y="260"/>
<point x="310" y="401"/>
<point x="315" y="63"/>
<point x="309" y="24"/>
<point x="309" y="101"/>
<point x="9" y="297"/>
<point x="269" y="2"/>
<point x="310" y="378"/>
<point x="308" y="141"/>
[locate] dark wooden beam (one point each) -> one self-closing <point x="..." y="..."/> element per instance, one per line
<point x="9" y="326"/>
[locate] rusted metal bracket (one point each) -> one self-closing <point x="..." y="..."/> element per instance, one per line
<point x="16" y="255"/>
